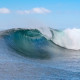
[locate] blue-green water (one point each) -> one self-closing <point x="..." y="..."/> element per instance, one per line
<point x="26" y="54"/>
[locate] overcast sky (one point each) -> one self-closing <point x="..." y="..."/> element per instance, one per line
<point x="58" y="14"/>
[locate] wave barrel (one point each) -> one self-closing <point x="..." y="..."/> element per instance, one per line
<point x="28" y="42"/>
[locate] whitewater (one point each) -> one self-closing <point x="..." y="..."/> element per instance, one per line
<point x="39" y="54"/>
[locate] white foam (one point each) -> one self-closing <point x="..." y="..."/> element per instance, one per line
<point x="69" y="38"/>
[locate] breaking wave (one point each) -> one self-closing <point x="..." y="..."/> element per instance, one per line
<point x="40" y="42"/>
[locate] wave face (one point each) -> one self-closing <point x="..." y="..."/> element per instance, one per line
<point x="39" y="43"/>
<point x="31" y="42"/>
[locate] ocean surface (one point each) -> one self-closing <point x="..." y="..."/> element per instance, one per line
<point x="39" y="54"/>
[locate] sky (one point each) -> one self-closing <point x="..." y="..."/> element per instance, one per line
<point x="58" y="14"/>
